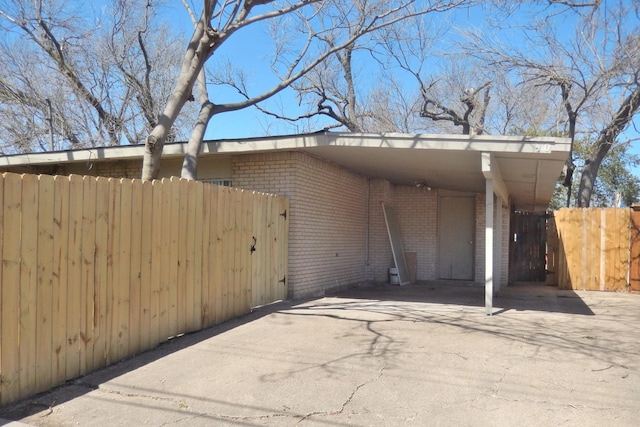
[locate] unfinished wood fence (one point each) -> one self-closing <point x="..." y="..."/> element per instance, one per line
<point x="97" y="269"/>
<point x="591" y="249"/>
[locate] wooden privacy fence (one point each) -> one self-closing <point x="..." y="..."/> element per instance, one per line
<point x="592" y="249"/>
<point x="96" y="269"/>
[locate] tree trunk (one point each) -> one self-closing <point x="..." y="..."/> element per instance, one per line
<point x="200" y="48"/>
<point x="605" y="140"/>
<point x="190" y="162"/>
<point x="588" y="178"/>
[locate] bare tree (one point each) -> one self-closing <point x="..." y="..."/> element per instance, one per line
<point x="103" y="72"/>
<point x="595" y="75"/>
<point x="323" y="30"/>
<point x="336" y="91"/>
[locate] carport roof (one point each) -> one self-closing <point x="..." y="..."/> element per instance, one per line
<point x="529" y="167"/>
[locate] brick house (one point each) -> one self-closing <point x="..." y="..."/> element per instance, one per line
<point x="452" y="196"/>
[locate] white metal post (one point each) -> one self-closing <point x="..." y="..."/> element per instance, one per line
<point x="488" y="245"/>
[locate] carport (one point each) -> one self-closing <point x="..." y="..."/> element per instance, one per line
<point x="514" y="173"/>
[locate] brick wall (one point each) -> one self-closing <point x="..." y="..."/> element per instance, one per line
<point x="417" y="212"/>
<point x="328" y="228"/>
<point x="480" y="239"/>
<point x="380" y="258"/>
<point x="117" y="169"/>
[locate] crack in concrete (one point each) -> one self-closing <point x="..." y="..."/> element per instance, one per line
<point x="193" y="415"/>
<point x="348" y="400"/>
<point x="180" y="403"/>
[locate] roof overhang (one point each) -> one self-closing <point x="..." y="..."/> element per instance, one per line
<point x="528" y="167"/>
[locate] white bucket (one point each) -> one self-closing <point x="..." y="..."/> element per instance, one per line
<point x="394" y="279"/>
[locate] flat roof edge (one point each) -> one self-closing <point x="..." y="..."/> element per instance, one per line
<point x="507" y="144"/>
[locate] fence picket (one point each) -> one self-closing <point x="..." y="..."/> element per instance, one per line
<point x="190" y="237"/>
<point x="198" y="237"/>
<point x="245" y="250"/>
<point x="113" y="271"/>
<point x="87" y="289"/>
<point x="155" y="262"/>
<point x="60" y="279"/>
<point x="124" y="285"/>
<point x="44" y="295"/>
<point x="634" y="256"/>
<point x="28" y="282"/>
<point x="135" y="273"/>
<point x="217" y="290"/>
<point x="146" y="249"/>
<point x="74" y="275"/>
<point x="102" y="253"/>
<point x="282" y="257"/>
<point x="173" y="260"/>
<point x="10" y="298"/>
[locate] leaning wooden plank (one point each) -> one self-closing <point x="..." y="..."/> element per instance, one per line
<point x="74" y="278"/>
<point x="45" y="282"/>
<point x="60" y="278"/>
<point x="10" y="298"/>
<point x="396" y="243"/>
<point x="136" y="266"/>
<point x="102" y="255"/>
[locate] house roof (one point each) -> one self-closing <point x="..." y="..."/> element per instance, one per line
<point x="529" y="167"/>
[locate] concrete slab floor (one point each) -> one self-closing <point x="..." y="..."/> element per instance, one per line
<point x="420" y="355"/>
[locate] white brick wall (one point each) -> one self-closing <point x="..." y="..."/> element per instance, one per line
<point x="380" y="258"/>
<point x="327" y="232"/>
<point x="417" y="212"/>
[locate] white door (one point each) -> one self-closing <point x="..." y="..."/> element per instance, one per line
<point x="456" y="235"/>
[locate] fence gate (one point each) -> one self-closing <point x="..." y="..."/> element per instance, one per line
<point x="528" y="247"/>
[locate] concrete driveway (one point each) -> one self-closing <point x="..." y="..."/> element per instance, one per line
<point x="422" y="355"/>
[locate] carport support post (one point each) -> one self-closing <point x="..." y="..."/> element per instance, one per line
<point x="488" y="251"/>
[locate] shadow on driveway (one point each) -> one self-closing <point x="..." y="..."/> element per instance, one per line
<point x="520" y="296"/>
<point x="418" y="355"/>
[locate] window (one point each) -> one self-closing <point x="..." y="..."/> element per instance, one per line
<point x="221" y="182"/>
